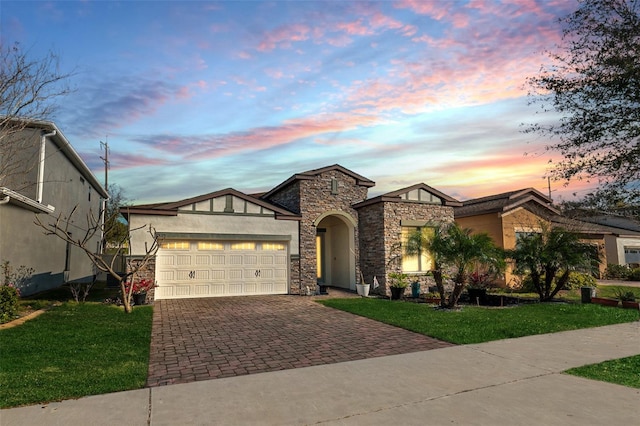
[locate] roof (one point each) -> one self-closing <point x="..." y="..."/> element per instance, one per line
<point x="619" y="222"/>
<point x="360" y="180"/>
<point x="586" y="227"/>
<point x="395" y="196"/>
<point x="65" y="147"/>
<point x="505" y="202"/>
<point x="171" y="208"/>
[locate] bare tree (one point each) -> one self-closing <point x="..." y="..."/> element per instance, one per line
<point x="95" y="227"/>
<point x="28" y="91"/>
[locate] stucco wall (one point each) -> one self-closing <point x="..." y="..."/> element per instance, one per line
<point x="490" y="223"/>
<point x="23" y="243"/>
<point x="207" y="223"/>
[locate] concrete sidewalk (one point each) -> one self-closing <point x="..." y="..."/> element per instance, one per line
<point x="510" y="382"/>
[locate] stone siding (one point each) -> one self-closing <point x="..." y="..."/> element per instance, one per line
<point x="381" y="231"/>
<point x="288" y="197"/>
<point x="316" y="198"/>
<point x="147" y="272"/>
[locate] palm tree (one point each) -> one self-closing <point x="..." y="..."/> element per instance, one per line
<point x="459" y="250"/>
<point x="548" y="257"/>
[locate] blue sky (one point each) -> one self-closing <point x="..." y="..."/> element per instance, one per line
<point x="197" y="96"/>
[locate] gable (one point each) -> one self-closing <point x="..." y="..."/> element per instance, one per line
<point x="226" y="203"/>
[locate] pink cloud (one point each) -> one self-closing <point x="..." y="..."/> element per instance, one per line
<point x="283" y="37"/>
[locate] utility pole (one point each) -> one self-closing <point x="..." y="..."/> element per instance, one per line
<point x="105" y="159"/>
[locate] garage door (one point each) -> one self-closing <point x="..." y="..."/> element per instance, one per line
<point x="220" y="268"/>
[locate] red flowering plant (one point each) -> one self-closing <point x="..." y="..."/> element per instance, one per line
<point x="139" y="287"/>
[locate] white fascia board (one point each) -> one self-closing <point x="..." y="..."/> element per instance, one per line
<point x="26" y="202"/>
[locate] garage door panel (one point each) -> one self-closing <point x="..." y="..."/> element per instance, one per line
<point x="197" y="270"/>
<point x="235" y="274"/>
<point x="201" y="274"/>
<point x="217" y="274"/>
<point x="183" y="275"/>
<point x="202" y="290"/>
<point x="166" y="260"/>
<point x="183" y="290"/>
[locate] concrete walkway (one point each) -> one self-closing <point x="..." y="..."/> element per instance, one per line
<point x="507" y="382"/>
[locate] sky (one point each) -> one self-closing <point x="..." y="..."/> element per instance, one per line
<point x="197" y="96"/>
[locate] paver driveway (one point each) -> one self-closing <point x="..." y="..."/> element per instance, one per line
<point x="201" y="339"/>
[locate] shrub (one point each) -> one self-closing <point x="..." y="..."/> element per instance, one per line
<point x="579" y="279"/>
<point x="617" y="272"/>
<point x="576" y="280"/>
<point x="9" y="296"/>
<point x="635" y="274"/>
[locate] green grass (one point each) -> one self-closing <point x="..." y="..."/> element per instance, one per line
<point x="476" y="325"/>
<point x="74" y="350"/>
<point x="623" y="371"/>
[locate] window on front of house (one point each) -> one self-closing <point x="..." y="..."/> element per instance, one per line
<point x="421" y="262"/>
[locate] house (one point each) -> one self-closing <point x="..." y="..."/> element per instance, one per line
<point x="316" y="228"/>
<point x="622" y="243"/>
<point x="41" y="174"/>
<point x="507" y="215"/>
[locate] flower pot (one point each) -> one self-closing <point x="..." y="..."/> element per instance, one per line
<point x="396" y="293"/>
<point x="631" y="305"/>
<point x="140" y="298"/>
<point x="477" y="295"/>
<point x="432" y="300"/>
<point x="415" y="289"/>
<point x="604" y="301"/>
<point x="363" y="289"/>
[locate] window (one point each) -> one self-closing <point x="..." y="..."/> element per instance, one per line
<point x="243" y="246"/>
<point x="421" y="262"/>
<point x="210" y="245"/>
<point x="273" y="247"/>
<point x="175" y="245"/>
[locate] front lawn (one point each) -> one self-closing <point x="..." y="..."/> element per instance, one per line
<point x="74" y="350"/>
<point x="477" y="324"/>
<point x="623" y="371"/>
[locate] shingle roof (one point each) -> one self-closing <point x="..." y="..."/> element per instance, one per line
<point x="171" y="208"/>
<point x="360" y="180"/>
<point x="502" y="203"/>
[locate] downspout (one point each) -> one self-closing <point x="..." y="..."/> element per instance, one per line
<point x="43" y="142"/>
<point x="5" y="200"/>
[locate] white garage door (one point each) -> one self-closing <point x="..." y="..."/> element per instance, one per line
<point x="212" y="268"/>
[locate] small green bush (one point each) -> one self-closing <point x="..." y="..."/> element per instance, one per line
<point x="635" y="274"/>
<point x="576" y="280"/>
<point x="8" y="303"/>
<point x="617" y="272"/>
<point x="579" y="279"/>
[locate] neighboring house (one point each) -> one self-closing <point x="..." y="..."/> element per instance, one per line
<point x="47" y="178"/>
<point x="621" y="236"/>
<point x="506" y="216"/>
<point x="317" y="227"/>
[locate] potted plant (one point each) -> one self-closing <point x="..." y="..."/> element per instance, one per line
<point x="477" y="287"/>
<point x="628" y="299"/>
<point x="399" y="283"/>
<point x="139" y="290"/>
<point x="362" y="288"/>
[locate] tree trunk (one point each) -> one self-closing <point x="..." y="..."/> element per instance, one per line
<point x="126" y="297"/>
<point x="437" y="277"/>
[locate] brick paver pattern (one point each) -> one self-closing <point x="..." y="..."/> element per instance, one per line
<point x="202" y="339"/>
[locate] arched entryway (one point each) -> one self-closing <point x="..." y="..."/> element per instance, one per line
<point x="335" y="250"/>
